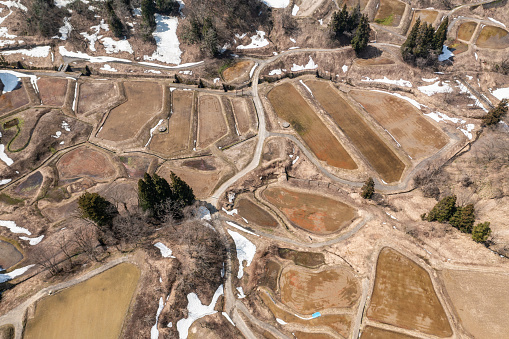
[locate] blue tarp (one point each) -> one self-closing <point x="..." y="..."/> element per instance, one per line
<point x="315" y="315"/>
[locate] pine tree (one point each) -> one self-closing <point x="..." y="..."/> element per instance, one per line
<point x="481" y="232"/>
<point x="354" y="19"/>
<point x="464" y="218"/>
<point x="410" y="43"/>
<point x="368" y="189"/>
<point x="495" y="114"/>
<point x="147" y="193"/>
<point x="361" y="36"/>
<point x="443" y="210"/>
<point x="181" y="190"/>
<point x="148" y="10"/>
<point x="441" y="35"/>
<point x="95" y="208"/>
<point x="115" y="24"/>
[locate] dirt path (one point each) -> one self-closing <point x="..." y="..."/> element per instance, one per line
<point x="16" y="315"/>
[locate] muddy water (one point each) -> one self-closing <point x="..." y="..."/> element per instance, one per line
<point x="9" y="255"/>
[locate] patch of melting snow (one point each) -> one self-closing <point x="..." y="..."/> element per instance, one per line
<point x="497" y="22"/>
<point x="100" y="59"/>
<point x="16" y="273"/>
<point x="275" y="72"/>
<point x="430" y="79"/>
<point x="65" y="30"/>
<point x="246" y="251"/>
<point x="186" y="72"/>
<point x="234" y="225"/>
<point x="437" y="116"/>
<point x="216" y="80"/>
<point x="293" y="40"/>
<point x="36" y="52"/>
<point x="189" y="64"/>
<point x="74" y="102"/>
<point x="412" y="101"/>
<point x="152" y="71"/>
<point x="281" y="321"/>
<point x="251" y="72"/>
<point x="57" y="135"/>
<point x="168" y="50"/>
<point x="114" y="46"/>
<point x="390" y="215"/>
<point x="464" y="89"/>
<point x="306" y="87"/>
<point x="228" y="318"/>
<point x="344" y="68"/>
<point x="501" y="93"/>
<point x="11" y="80"/>
<point x="476" y="57"/>
<point x="33" y="241"/>
<point x="467" y="130"/>
<point x="385" y="80"/>
<point x="437" y="87"/>
<point x="320" y="21"/>
<point x="108" y="68"/>
<point x="154" y="332"/>
<point x="196" y="311"/>
<point x="241" y="294"/>
<point x="203" y="213"/>
<point x="4" y="157"/>
<point x="5" y="181"/>
<point x="469" y="77"/>
<point x="310" y="65"/>
<point x="232" y="212"/>
<point x="295" y="160"/>
<point x="152" y="130"/>
<point x="446" y="54"/>
<point x="11" y="225"/>
<point x="276" y="3"/>
<point x="295" y="10"/>
<point x="257" y="41"/>
<point x="165" y="251"/>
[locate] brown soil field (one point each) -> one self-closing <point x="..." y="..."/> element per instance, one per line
<point x="466" y="30"/>
<point x="306" y="335"/>
<point x="390" y="12"/>
<point x="238" y="70"/>
<point x="367" y="141"/>
<point x="416" y="135"/>
<point x="13" y="100"/>
<point x="255" y="214"/>
<point x="211" y="122"/>
<point x="308" y="291"/>
<point x="179" y="126"/>
<point x="85" y="162"/>
<point x="52" y="91"/>
<point x="144" y="101"/>
<point x="94" y="95"/>
<point x="136" y="166"/>
<point x="457" y="47"/>
<point x="9" y="255"/>
<point x="271" y="275"/>
<point x="493" y="37"/>
<point x="30" y="186"/>
<point x="404" y="296"/>
<point x="339" y="323"/>
<point x="291" y="106"/>
<point x="306" y="259"/>
<point x="425" y="15"/>
<point x="371" y="332"/>
<point x="202" y="164"/>
<point x="321" y="215"/>
<point x="243" y="110"/>
<point x="374" y="62"/>
<point x="95" y="308"/>
<point x="480" y="300"/>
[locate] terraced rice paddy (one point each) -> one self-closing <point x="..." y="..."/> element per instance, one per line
<point x="243" y="111"/>
<point x="12" y="100"/>
<point x="404" y="296"/>
<point x="417" y="136"/>
<point x="390" y="12"/>
<point x="314" y="335"/>
<point x="52" y="91"/>
<point x="30" y="186"/>
<point x="374" y="62"/>
<point x="305" y="259"/>
<point x="238" y="70"/>
<point x="493" y="37"/>
<point x="211" y="121"/>
<point x="144" y="101"/>
<point x="255" y="214"/>
<point x="92" y="309"/>
<point x="9" y="255"/>
<point x="308" y="291"/>
<point x="85" y="162"/>
<point x="378" y="154"/>
<point x="311" y="212"/>
<point x="480" y="300"/>
<point x="179" y="126"/>
<point x="136" y="166"/>
<point x="370" y="332"/>
<point x="271" y="275"/>
<point x="425" y="15"/>
<point x="96" y="96"/>
<point x="291" y="106"/>
<point x="466" y="30"/>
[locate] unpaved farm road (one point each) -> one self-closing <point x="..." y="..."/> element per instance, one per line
<point x="16" y="315"/>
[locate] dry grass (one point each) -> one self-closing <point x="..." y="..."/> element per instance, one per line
<point x="52" y="91"/>
<point x="314" y="335"/>
<point x="404" y="296"/>
<point x="92" y="309"/>
<point x="85" y="162"/>
<point x="390" y="12"/>
<point x="211" y="122"/>
<point x="237" y="71"/>
<point x="370" y="332"/>
<point x="374" y="62"/>
<point x="13" y="100"/>
<point x="255" y="214"/>
<point x="425" y="15"/>
<point x="466" y="30"/>
<point x="291" y="106"/>
<point x="362" y="136"/>
<point x="95" y="95"/>
<point x="493" y="37"/>
<point x="244" y="112"/>
<point x="9" y="255"/>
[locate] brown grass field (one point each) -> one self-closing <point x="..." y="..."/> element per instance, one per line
<point x="94" y="95"/>
<point x="179" y="126"/>
<point x="425" y="15"/>
<point x="371" y="332"/>
<point x="339" y="323"/>
<point x="255" y="214"/>
<point x="52" y="91"/>
<point x="390" y="12"/>
<point x="308" y="291"/>
<point x="291" y="106"/>
<point x="314" y="335"/>
<point x="243" y="111"/>
<point x="201" y="164"/>
<point x="466" y="30"/>
<point x="363" y="137"/>
<point x="321" y="215"/>
<point x="271" y="275"/>
<point x="416" y="135"/>
<point x="458" y="47"/>
<point x="9" y="255"/>
<point x="374" y="62"/>
<point x="92" y="309"/>
<point x="13" y="100"/>
<point x="306" y="259"/>
<point x="30" y="185"/>
<point x="144" y="101"/>
<point x="493" y="37"/>
<point x="480" y="300"/>
<point x="85" y="162"/>
<point x="353" y="3"/>
<point x="404" y="296"/>
<point x="135" y="166"/>
<point x="238" y="70"/>
<point x="211" y="122"/>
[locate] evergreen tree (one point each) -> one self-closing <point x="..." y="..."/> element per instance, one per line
<point x="481" y="232"/>
<point x="168" y="7"/>
<point x="94" y="207"/>
<point x="147" y="195"/>
<point x="441" y="35"/>
<point x="368" y="189"/>
<point x="361" y="37"/>
<point x="408" y="46"/>
<point x="181" y="190"/>
<point x="339" y="22"/>
<point x="495" y="114"/>
<point x="353" y="20"/>
<point x="464" y="218"/>
<point x="114" y="22"/>
<point x="443" y="210"/>
<point x="148" y="10"/>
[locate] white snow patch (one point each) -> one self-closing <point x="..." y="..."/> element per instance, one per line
<point x="65" y="30"/>
<point x="437" y="87"/>
<point x="4" y="157"/>
<point x="114" y="46"/>
<point x="240" y="36"/>
<point x="100" y="59"/>
<point x="476" y="57"/>
<point x="469" y="77"/>
<point x="446" y="54"/>
<point x="11" y="275"/>
<point x="412" y="101"/>
<point x="275" y="72"/>
<point x="430" y="79"/>
<point x="232" y="212"/>
<point x="57" y="135"/>
<point x="464" y="89"/>
<point x="277" y="3"/>
<point x="216" y="80"/>
<point x="437" y="116"/>
<point x="251" y="72"/>
<point x="152" y="130"/>
<point x="108" y="68"/>
<point x="467" y="130"/>
<point x="295" y="160"/>
<point x="390" y="215"/>
<point x="228" y="318"/>
<point x="11" y="225"/>
<point x="154" y="332"/>
<point x="399" y="82"/>
<point x="165" y="251"/>
<point x="36" y="52"/>
<point x="257" y="41"/>
<point x="310" y="65"/>
<point x="501" y="93"/>
<point x="5" y="181"/>
<point x="234" y="225"/>
<point x="152" y="71"/>
<point x="33" y="241"/>
<point x="281" y="321"/>
<point x="294" y="47"/>
<point x="320" y="21"/>
<point x="241" y="294"/>
<point x="189" y="64"/>
<point x="246" y="251"/>
<point x="293" y="40"/>
<point x="295" y="10"/>
<point x="307" y="88"/>
<point x="188" y="72"/>
<point x="168" y="50"/>
<point x="344" y="68"/>
<point x="203" y="213"/>
<point x="196" y="311"/>
<point x="497" y="22"/>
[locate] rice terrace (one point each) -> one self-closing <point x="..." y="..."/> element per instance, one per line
<point x="259" y="169"/>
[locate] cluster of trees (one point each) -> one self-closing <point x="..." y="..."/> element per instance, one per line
<point x="354" y="27"/>
<point x="116" y="25"/>
<point x="43" y="18"/>
<point x="495" y="114"/>
<point x="203" y="32"/>
<point x="460" y="217"/>
<point x="423" y="45"/>
<point x="368" y="189"/>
